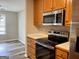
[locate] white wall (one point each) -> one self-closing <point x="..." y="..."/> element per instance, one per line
<point x="11" y="26"/>
<point x="22" y="28"/>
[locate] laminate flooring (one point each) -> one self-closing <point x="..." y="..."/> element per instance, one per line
<point x="12" y="50"/>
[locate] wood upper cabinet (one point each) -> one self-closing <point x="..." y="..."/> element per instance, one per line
<point x="47" y="5"/>
<point x="38" y="12"/>
<point x="50" y="5"/>
<point x="41" y="6"/>
<point x="68" y="14"/>
<point x="58" y="4"/>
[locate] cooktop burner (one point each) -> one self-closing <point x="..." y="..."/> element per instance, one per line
<point x="54" y="38"/>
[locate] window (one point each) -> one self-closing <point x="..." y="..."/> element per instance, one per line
<point x="2" y="24"/>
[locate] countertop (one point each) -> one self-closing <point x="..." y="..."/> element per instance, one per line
<point x="64" y="46"/>
<point x="37" y="36"/>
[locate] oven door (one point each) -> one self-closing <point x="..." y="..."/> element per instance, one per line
<point x="77" y="44"/>
<point x="44" y="53"/>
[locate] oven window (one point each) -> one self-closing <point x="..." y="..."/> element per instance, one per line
<point x="59" y="18"/>
<point x="49" y="19"/>
<point x="44" y="53"/>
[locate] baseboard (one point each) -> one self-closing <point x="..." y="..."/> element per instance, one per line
<point x="22" y="42"/>
<point x="8" y="40"/>
<point x="19" y="53"/>
<point x="26" y="55"/>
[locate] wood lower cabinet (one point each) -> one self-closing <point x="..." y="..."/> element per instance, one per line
<point x="68" y="13"/>
<point x="31" y="48"/>
<point x="61" y="54"/>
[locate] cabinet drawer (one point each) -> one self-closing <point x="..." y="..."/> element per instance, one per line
<point x="57" y="57"/>
<point x="61" y="53"/>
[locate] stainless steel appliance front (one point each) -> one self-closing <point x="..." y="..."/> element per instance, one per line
<point x="45" y="47"/>
<point x="54" y="18"/>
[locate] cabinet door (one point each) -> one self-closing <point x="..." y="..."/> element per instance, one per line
<point x="31" y="52"/>
<point x="38" y="12"/>
<point x="68" y="16"/>
<point x="57" y="57"/>
<point x="58" y="4"/>
<point x="31" y="48"/>
<point x="61" y="54"/>
<point x="47" y="5"/>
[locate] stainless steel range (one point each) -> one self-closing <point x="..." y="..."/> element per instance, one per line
<point x="46" y="46"/>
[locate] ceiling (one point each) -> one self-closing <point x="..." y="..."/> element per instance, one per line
<point x="12" y="5"/>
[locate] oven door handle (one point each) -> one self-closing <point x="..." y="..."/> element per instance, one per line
<point x="46" y="46"/>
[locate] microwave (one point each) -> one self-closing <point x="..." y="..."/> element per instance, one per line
<point x="56" y="17"/>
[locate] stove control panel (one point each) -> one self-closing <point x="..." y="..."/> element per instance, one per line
<point x="59" y="33"/>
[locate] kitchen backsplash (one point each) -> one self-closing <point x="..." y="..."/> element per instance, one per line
<point x="45" y="29"/>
